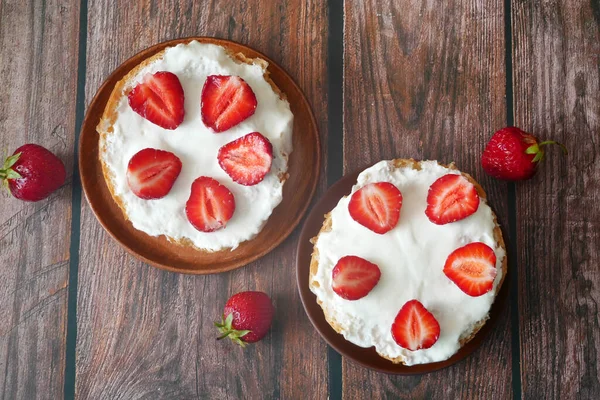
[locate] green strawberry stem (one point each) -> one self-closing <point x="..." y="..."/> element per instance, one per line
<point x="539" y="152"/>
<point x="562" y="146"/>
<point x="228" y="331"/>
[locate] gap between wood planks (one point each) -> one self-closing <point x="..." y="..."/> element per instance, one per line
<point x="71" y="342"/>
<point x="335" y="145"/>
<point x="512" y="215"/>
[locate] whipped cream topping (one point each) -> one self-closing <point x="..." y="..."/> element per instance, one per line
<point x="197" y="147"/>
<point x="411" y="258"/>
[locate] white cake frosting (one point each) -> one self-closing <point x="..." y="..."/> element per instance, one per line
<point x="411" y="258"/>
<point x="197" y="147"/>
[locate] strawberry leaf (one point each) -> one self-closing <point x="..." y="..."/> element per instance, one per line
<point x="223" y="336"/>
<point x="10" y="161"/>
<point x="227" y="331"/>
<point x="229" y="321"/>
<point x="533" y="149"/>
<point x="12" y="174"/>
<point x="7" y="173"/>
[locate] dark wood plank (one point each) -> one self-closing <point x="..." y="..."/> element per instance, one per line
<point x="427" y="80"/>
<point x="557" y="96"/>
<point x="38" y="54"/>
<point x="144" y="332"/>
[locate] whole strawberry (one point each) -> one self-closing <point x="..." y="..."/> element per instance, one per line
<point x="32" y="173"/>
<point x="513" y="155"/>
<point x="246" y="318"/>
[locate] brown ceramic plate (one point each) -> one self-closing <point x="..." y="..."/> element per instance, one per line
<point x="303" y="169"/>
<point x="368" y="357"/>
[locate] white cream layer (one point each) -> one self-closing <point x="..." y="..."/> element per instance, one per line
<point x="197" y="147"/>
<point x="411" y="258"/>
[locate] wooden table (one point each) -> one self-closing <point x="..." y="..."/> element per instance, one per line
<point x="424" y="79"/>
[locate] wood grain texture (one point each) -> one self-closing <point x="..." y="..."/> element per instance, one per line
<point x="556" y="56"/>
<point x="146" y="333"/>
<point x="427" y="80"/>
<point x="38" y="54"/>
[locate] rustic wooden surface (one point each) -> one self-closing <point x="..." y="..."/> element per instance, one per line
<point x="144" y="332"/>
<point x="38" y="60"/>
<point x="411" y="91"/>
<point x="418" y="79"/>
<point x="557" y="95"/>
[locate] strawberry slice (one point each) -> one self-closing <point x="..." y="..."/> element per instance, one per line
<point x="159" y="99"/>
<point x="414" y="327"/>
<point x="151" y="173"/>
<point x="210" y="205"/>
<point x="354" y="277"/>
<point x="248" y="159"/>
<point x="376" y="206"/>
<point x="451" y="198"/>
<point x="472" y="268"/>
<point x="226" y="101"/>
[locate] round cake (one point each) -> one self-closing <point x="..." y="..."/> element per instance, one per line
<point x="199" y="112"/>
<point x="410" y="262"/>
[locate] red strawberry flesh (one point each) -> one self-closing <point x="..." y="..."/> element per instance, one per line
<point x="151" y="173"/>
<point x="472" y="268"/>
<point x="354" y="277"/>
<point x="247" y="317"/>
<point x="247" y="160"/>
<point x="376" y="206"/>
<point x="414" y="327"/>
<point x="226" y="101"/>
<point x="210" y="206"/>
<point x="159" y="98"/>
<point x="32" y="173"/>
<point x="451" y="198"/>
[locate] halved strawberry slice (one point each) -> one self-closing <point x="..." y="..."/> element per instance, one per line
<point x="354" y="277"/>
<point x="151" y="173"/>
<point x="414" y="327"/>
<point x="226" y="101"/>
<point x="376" y="206"/>
<point x="472" y="268"/>
<point x="159" y="99"/>
<point x="451" y="198"/>
<point x="248" y="159"/>
<point x="210" y="205"/>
